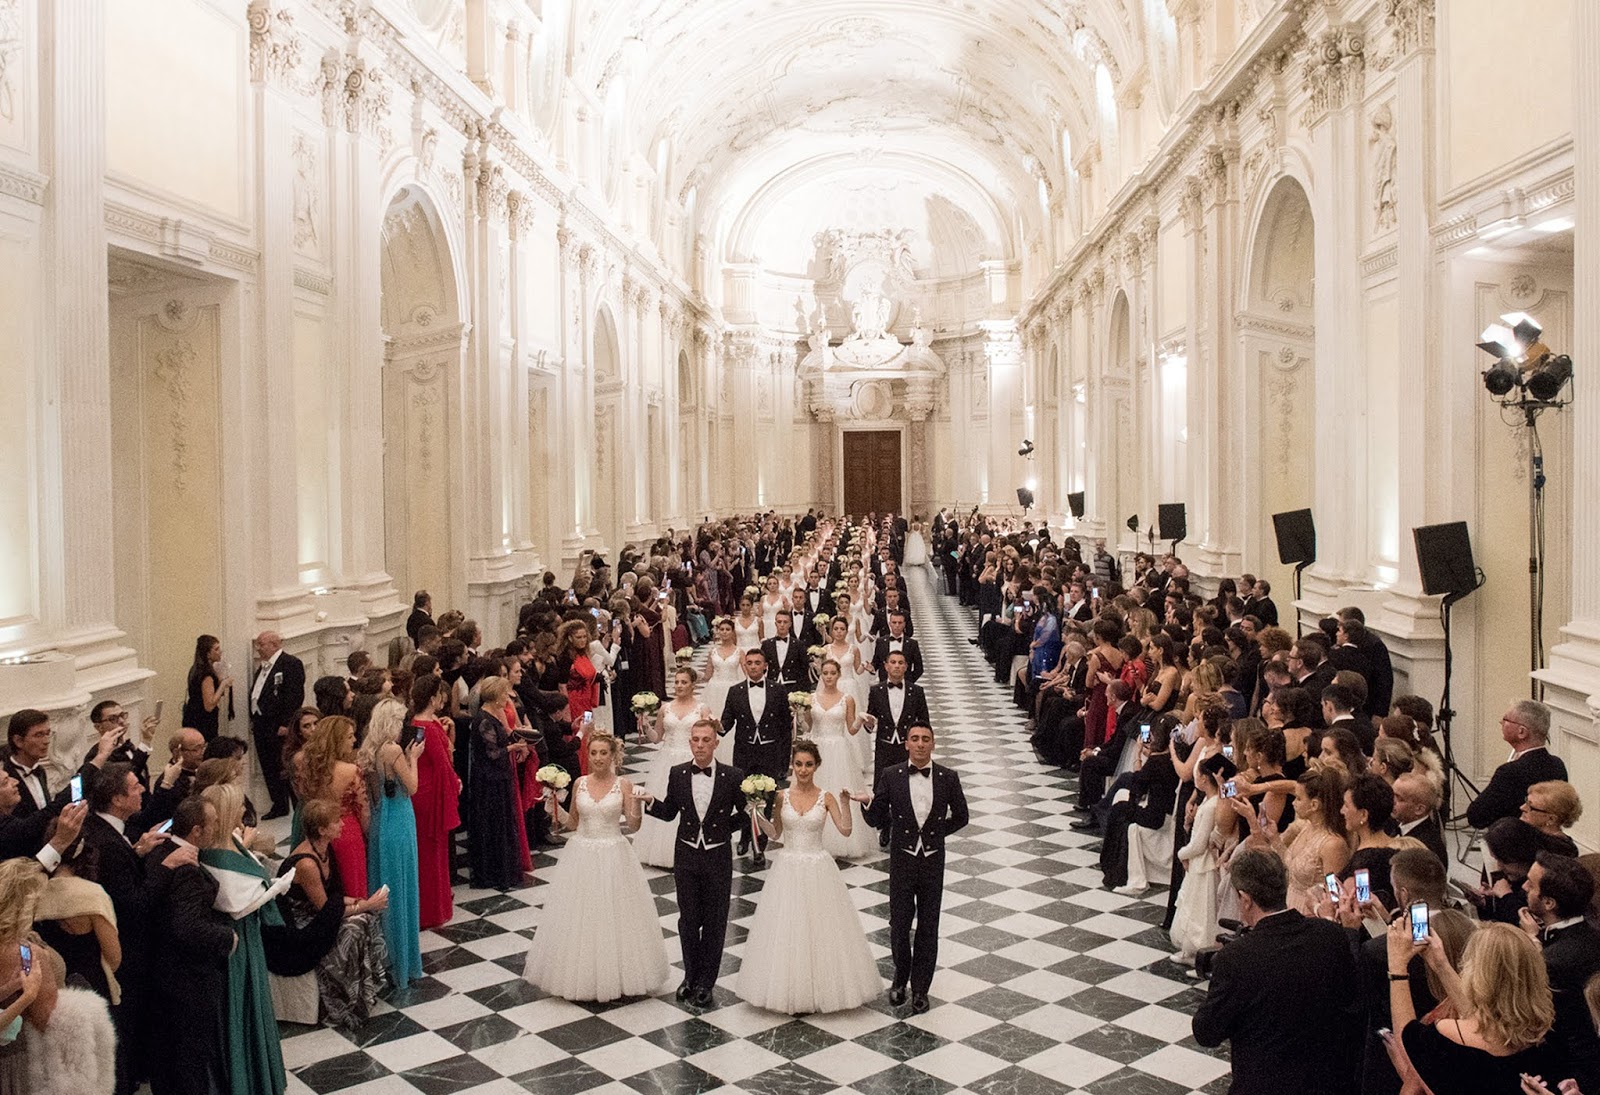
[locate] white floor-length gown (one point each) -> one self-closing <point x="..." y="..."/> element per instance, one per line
<point x="599" y="937"/>
<point x="806" y="952"/>
<point x="841" y="767"/>
<point x="747" y="638"/>
<point x="725" y="673"/>
<point x="656" y="839"/>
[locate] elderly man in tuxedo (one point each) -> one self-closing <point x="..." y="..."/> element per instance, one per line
<point x="916" y="804"/>
<point x="757" y="714"/>
<point x="1526" y="729"/>
<point x="277" y="690"/>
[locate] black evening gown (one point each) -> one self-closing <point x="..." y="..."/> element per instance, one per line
<point x="493" y="851"/>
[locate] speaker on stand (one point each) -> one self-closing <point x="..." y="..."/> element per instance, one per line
<point x="1173" y="521"/>
<point x="1444" y="561"/>
<point x="1297" y="545"/>
<point x="1075" y="504"/>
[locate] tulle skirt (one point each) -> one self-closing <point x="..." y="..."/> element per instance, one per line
<point x="1194" y="920"/>
<point x="656" y="839"/>
<point x="806" y="952"/>
<point x="841" y="768"/>
<point x="599" y="938"/>
<point x="916" y="553"/>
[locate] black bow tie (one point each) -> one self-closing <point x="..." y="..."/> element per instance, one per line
<point x="891" y="684"/>
<point x="928" y="771"/>
<point x="702" y="771"/>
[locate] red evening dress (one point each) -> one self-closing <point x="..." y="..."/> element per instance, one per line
<point x="437" y="804"/>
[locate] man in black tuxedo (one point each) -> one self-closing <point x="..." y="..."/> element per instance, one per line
<point x="421" y="613"/>
<point x="1309" y="668"/>
<point x="1380" y="666"/>
<point x="1284" y="994"/>
<point x="1098" y="764"/>
<point x="893" y="601"/>
<point x="1416" y="803"/>
<point x="897" y="639"/>
<point x="190" y="942"/>
<point x="1526" y="728"/>
<point x="895" y="705"/>
<point x="705" y="799"/>
<point x="110" y="717"/>
<point x="1339" y="710"/>
<point x="1077" y="607"/>
<point x="1262" y="607"/>
<point x="278" y="689"/>
<point x="26" y="760"/>
<point x="787" y="655"/>
<point x="803" y="621"/>
<point x="916" y="804"/>
<point x="1560" y="890"/>
<point x="757" y="714"/>
<point x="808" y="524"/>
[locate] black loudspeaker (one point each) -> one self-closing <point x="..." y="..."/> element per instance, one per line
<point x="1297" y="536"/>
<point x="1172" y="521"/>
<point x="1024" y="497"/>
<point x="1075" y="503"/>
<point x="1444" y="556"/>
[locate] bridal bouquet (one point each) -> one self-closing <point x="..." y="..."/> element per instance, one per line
<point x="553" y="776"/>
<point x="821" y="621"/>
<point x="756" y="789"/>
<point x="645" y="703"/>
<point x="816" y="653"/>
<point x="684" y="654"/>
<point x="800" y="700"/>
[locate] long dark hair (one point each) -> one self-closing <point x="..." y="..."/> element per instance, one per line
<point x="201" y="667"/>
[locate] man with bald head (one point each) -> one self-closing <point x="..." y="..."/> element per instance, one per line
<point x="276" y="691"/>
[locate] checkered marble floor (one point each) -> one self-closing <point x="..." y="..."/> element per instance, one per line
<point x="1047" y="984"/>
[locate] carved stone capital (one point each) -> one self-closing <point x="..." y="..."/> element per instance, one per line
<point x="1335" y="65"/>
<point x="276" y="47"/>
<point x="519" y="212"/>
<point x="354" y="94"/>
<point x="493" y="191"/>
<point x="1410" y="24"/>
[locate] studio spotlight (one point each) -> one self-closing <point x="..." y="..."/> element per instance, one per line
<point x="1133" y="523"/>
<point x="1027" y="448"/>
<point x="1500" y="378"/>
<point x="1545" y="380"/>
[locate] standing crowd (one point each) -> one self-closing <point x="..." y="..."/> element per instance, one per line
<point x="1293" y="805"/>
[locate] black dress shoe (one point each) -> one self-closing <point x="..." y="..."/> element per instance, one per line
<point x="1087" y="825"/>
<point x="275" y="813"/>
<point x="702" y="998"/>
<point x="919" y="1003"/>
<point x="883" y="841"/>
<point x="897" y="995"/>
<point x="760" y="860"/>
<point x="684" y="991"/>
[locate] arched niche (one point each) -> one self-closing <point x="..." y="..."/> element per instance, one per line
<point x="1277" y="335"/>
<point x="423" y="336"/>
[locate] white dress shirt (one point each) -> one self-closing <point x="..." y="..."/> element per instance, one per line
<point x="115" y="822"/>
<point x="35" y="780"/>
<point x="921" y="800"/>
<point x="262" y="674"/>
<point x="782" y="647"/>
<point x="700" y="788"/>
<point x="758" y="699"/>
<point x="897" y="700"/>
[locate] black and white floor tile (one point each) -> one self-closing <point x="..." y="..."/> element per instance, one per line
<point x="1047" y="983"/>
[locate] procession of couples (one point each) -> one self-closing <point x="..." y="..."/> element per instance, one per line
<point x="806" y="952"/>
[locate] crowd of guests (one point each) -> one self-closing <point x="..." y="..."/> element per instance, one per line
<point x="1291" y="802"/>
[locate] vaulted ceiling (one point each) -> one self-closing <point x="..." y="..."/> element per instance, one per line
<point x="968" y="97"/>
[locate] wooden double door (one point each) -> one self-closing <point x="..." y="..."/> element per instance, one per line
<point x="872" y="471"/>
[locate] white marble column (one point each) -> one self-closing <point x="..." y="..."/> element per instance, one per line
<point x="1572" y="679"/>
<point x="567" y="405"/>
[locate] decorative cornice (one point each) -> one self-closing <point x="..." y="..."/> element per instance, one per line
<point x="1257" y="323"/>
<point x="1380" y="262"/>
<point x="19" y="182"/>
<point x="312" y="281"/>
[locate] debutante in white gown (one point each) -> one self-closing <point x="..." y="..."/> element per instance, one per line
<point x="916" y="551"/>
<point x="747" y="638"/>
<point x="598" y="938"/>
<point x="656" y="839"/>
<point x="806" y="952"/>
<point x="725" y="673"/>
<point x="769" y="611"/>
<point x="841" y="767"/>
<point x="851" y="683"/>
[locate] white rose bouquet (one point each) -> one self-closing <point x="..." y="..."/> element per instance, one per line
<point x="800" y="700"/>
<point x="554" y="777"/>
<point x="645" y="703"/>
<point x="756" y="789"/>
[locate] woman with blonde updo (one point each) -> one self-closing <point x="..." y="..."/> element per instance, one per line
<point x="599" y="938"/>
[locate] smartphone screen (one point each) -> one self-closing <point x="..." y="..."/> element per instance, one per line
<point x="77" y="788"/>
<point x="1332" y="882"/>
<point x="1227" y="751"/>
<point x="1363" y="885"/>
<point x="595" y="612"/>
<point x="1144" y="731"/>
<point x="161" y="705"/>
<point x="1419" y="922"/>
<point x="27" y="958"/>
<point x="165" y="826"/>
<point x="1229" y="790"/>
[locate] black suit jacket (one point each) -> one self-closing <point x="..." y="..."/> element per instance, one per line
<point x="909" y="647"/>
<point x="1285" y="994"/>
<point x="891" y="809"/>
<point x="1380" y="678"/>
<point x="285" y="691"/>
<point x="776" y="726"/>
<point x="120" y="872"/>
<point x="26" y="807"/>
<point x="703" y="842"/>
<point x="1508" y="787"/>
<point x="1572" y="955"/>
<point x="1432" y="835"/>
<point x="416" y="622"/>
<point x="880" y="620"/>
<point x="914" y="712"/>
<point x="793" y="672"/>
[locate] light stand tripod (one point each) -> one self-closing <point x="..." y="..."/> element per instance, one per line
<point x="1443" y="717"/>
<point x="1536" y="484"/>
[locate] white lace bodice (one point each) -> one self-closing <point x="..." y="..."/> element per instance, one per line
<point x="747" y="637"/>
<point x="600" y="820"/>
<point x="675" y="730"/>
<point x="770" y="607"/>
<point x="726" y="670"/>
<point x="846" y="660"/>
<point x="827" y="722"/>
<point x="802" y="833"/>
